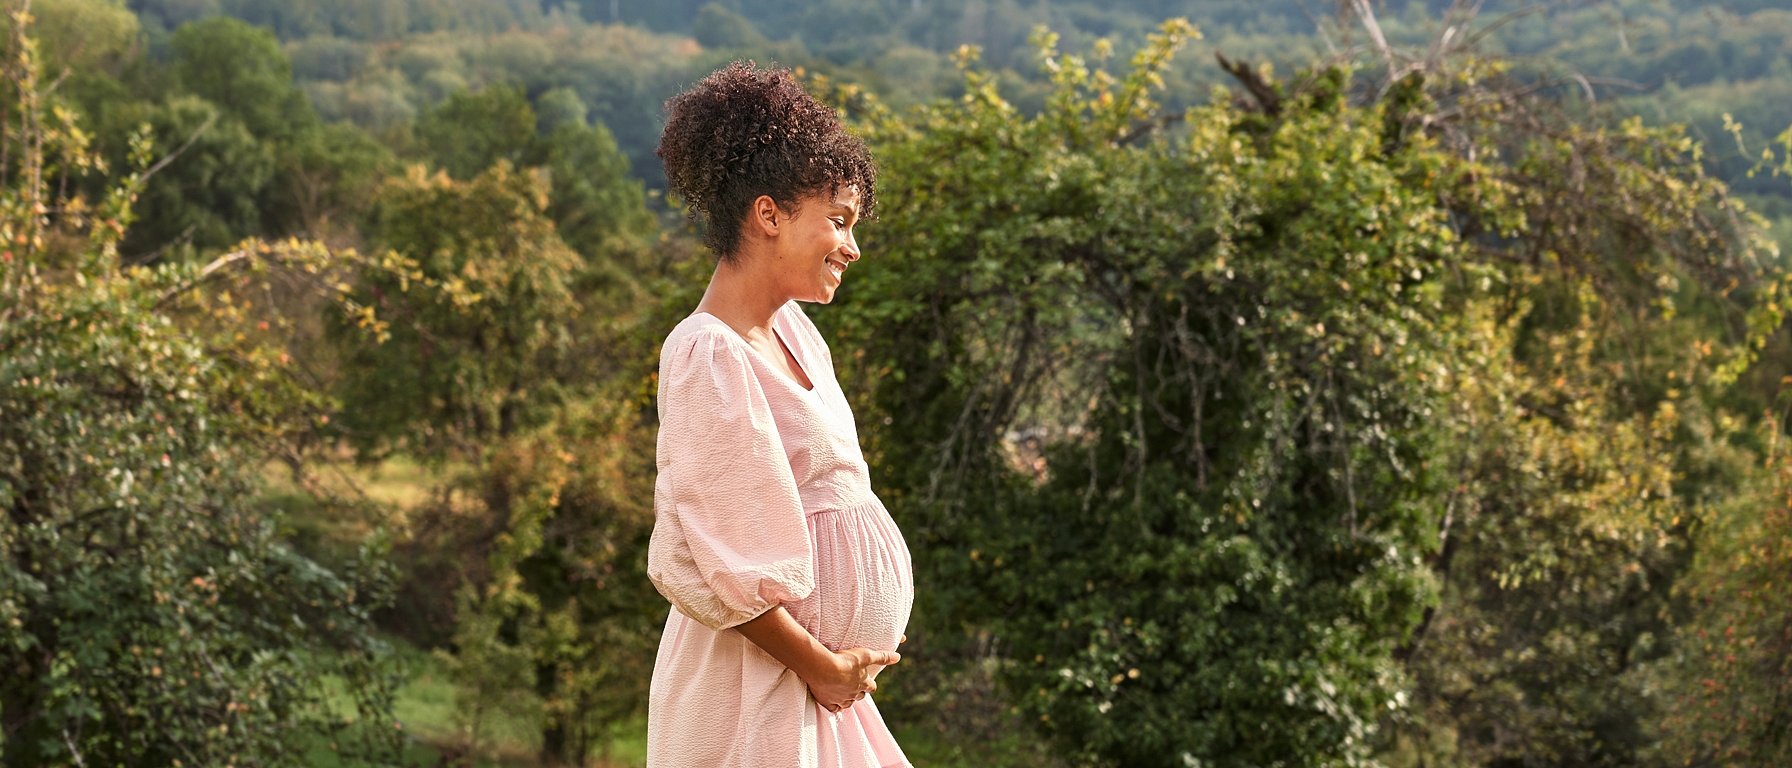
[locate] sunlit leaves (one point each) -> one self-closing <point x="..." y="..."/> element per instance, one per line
<point x="1220" y="340"/>
<point x="148" y="615"/>
<point x="476" y="335"/>
<point x="1236" y="403"/>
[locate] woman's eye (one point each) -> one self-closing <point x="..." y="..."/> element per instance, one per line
<point x="841" y="223"/>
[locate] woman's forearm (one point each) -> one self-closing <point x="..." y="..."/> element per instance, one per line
<point x="835" y="678"/>
<point x="777" y="633"/>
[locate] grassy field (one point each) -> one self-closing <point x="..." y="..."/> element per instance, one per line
<point x="439" y="734"/>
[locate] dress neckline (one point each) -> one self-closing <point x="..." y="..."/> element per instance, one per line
<point x="801" y="365"/>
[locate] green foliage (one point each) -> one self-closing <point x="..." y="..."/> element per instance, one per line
<point x="148" y="615"/>
<point x="328" y="179"/>
<point x="564" y="604"/>
<point x="1287" y="428"/>
<point x="1226" y="345"/>
<point x="560" y="107"/>
<point x="507" y="350"/>
<point x="82" y="37"/>
<point x="477" y="339"/>
<point x="1560" y="545"/>
<point x="597" y="206"/>
<point x="319" y="172"/>
<point x="1655" y="58"/>
<point x="241" y="69"/>
<point x="1586" y="448"/>
<point x="241" y="153"/>
<point x="207" y="196"/>
<point x="1732" y="686"/>
<point x="360" y="19"/>
<point x="1196" y="425"/>
<point x="471" y="131"/>
<point x="718" y="27"/>
<point x="328" y="59"/>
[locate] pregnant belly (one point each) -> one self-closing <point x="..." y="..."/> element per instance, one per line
<point x="864" y="585"/>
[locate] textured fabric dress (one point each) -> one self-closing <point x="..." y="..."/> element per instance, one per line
<point x="763" y="498"/>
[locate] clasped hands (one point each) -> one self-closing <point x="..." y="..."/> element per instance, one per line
<point x="835" y="678"/>
<point x="852" y="675"/>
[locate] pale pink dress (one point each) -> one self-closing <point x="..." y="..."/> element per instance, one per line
<point x="763" y="498"/>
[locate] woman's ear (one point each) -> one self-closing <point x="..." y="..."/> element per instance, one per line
<point x="763" y="216"/>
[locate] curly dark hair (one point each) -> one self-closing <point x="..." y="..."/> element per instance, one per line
<point x="743" y="132"/>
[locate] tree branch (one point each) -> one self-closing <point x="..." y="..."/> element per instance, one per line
<point x="170" y="157"/>
<point x="1366" y="14"/>
<point x="1261" y="90"/>
<point x="206" y="272"/>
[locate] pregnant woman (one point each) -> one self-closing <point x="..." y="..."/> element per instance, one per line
<point x="789" y="582"/>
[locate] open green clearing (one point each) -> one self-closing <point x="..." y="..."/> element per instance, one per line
<point x="429" y="702"/>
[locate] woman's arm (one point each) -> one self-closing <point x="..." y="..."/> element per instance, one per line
<point x="835" y="678"/>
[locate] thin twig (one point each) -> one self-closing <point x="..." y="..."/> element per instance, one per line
<point x="170" y="157"/>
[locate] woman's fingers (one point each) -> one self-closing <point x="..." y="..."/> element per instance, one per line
<point x="854" y="679"/>
<point x="884" y="658"/>
<point x="879" y="658"/>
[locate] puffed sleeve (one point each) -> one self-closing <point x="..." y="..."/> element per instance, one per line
<point x="729" y="536"/>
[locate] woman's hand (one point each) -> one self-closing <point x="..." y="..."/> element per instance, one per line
<point x="835" y="678"/>
<point x="853" y="674"/>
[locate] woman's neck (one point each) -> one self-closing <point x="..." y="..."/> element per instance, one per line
<point x="741" y="297"/>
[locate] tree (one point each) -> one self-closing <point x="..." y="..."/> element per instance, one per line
<point x="148" y="613"/>
<point x="241" y="69"/>
<point x="478" y="342"/>
<point x="509" y="353"/>
<point x="1730" y="692"/>
<point x="244" y="154"/>
<point x="562" y="604"/>
<point x="718" y="27"/>
<point x="207" y="194"/>
<point x="598" y="207"/>
<point x="83" y="37"/>
<point x="1309" y="429"/>
<point x="1220" y="545"/>
<point x="1632" y="291"/>
<point x="329" y="178"/>
<point x="559" y="107"/>
<point x="595" y="204"/>
<point x="471" y="131"/>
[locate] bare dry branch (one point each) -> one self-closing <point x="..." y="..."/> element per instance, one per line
<point x="170" y="157"/>
<point x="204" y="273"/>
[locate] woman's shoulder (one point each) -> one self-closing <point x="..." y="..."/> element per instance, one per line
<point x="701" y="336"/>
<point x="700" y="327"/>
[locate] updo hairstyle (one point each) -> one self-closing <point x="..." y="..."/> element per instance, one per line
<point x="743" y="132"/>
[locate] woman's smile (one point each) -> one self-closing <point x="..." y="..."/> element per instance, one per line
<point x="828" y="230"/>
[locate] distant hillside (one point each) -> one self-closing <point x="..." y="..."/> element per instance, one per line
<point x="378" y="63"/>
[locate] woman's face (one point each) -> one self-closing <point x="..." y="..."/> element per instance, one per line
<point x="817" y="246"/>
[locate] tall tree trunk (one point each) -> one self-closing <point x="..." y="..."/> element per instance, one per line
<point x="555" y="743"/>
